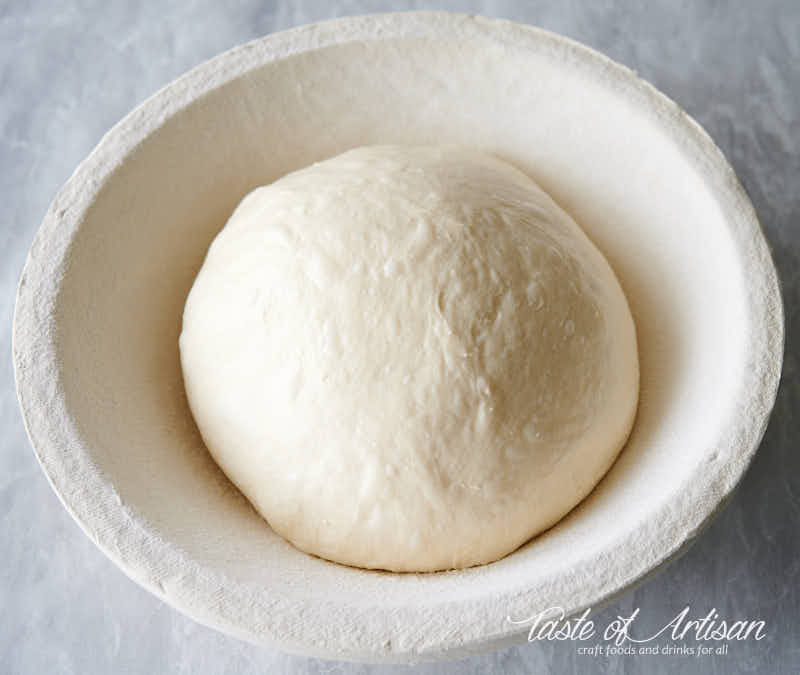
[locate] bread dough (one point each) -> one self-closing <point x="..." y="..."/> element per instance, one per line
<point x="409" y="358"/>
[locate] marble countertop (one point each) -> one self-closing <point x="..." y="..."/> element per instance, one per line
<point x="69" y="70"/>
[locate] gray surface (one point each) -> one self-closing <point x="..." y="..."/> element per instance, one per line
<point x="69" y="71"/>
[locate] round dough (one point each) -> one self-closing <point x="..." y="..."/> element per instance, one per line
<point x="409" y="358"/>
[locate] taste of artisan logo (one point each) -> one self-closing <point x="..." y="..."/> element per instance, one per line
<point x="621" y="637"/>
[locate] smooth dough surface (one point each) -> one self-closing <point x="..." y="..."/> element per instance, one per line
<point x="409" y="358"/>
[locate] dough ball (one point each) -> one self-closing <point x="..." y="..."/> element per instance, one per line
<point x="409" y="358"/>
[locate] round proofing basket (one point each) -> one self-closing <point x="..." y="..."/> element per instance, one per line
<point x="100" y="300"/>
